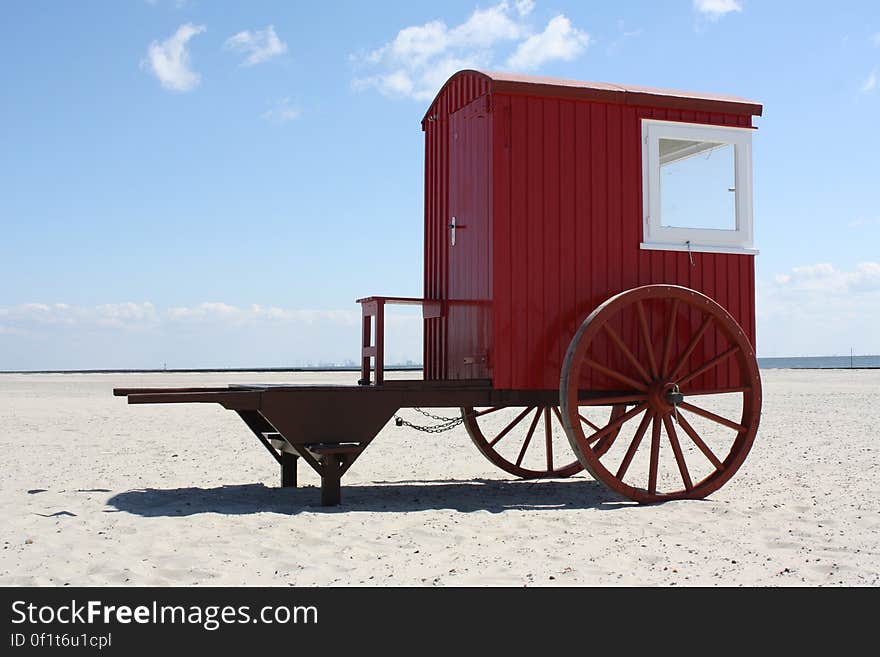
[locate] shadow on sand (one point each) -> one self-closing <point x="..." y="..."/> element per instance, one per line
<point x="494" y="496"/>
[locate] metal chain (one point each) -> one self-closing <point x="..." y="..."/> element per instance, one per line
<point x="446" y="423"/>
<point x="437" y="417"/>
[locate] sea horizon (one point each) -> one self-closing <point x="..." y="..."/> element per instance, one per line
<point x="775" y="362"/>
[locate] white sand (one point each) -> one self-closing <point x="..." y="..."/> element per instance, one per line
<point x="98" y="492"/>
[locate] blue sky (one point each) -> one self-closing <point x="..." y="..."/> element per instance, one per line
<point x="213" y="183"/>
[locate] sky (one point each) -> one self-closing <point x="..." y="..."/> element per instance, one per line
<point x="186" y="183"/>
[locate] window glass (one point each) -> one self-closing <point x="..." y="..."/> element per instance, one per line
<point x="697" y="184"/>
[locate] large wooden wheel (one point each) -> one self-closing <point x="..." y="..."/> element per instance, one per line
<point x="690" y="375"/>
<point x="530" y="442"/>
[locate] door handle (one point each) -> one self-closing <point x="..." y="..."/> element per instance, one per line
<point x="452" y="226"/>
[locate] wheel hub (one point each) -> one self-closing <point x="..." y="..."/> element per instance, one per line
<point x="663" y="396"/>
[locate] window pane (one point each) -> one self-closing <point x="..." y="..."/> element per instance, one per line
<point x="697" y="181"/>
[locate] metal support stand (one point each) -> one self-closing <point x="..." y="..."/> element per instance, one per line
<point x="331" y="473"/>
<point x="288" y="470"/>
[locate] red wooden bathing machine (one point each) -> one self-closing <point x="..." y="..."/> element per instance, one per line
<point x="589" y="288"/>
<point x="537" y="209"/>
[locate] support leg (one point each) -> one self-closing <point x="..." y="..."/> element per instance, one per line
<point x="380" y="343"/>
<point x="330" y="476"/>
<point x="366" y="343"/>
<point x="288" y="470"/>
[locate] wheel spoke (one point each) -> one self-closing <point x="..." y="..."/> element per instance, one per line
<point x="626" y="352"/>
<point x="691" y="346"/>
<point x="510" y="426"/>
<point x="646" y="336"/>
<point x="529" y="467"/>
<point x="676" y="449"/>
<point x="703" y="447"/>
<point x="528" y="439"/>
<point x="548" y="438"/>
<point x="709" y="415"/>
<point x="655" y="456"/>
<point x="634" y="445"/>
<point x="588" y="423"/>
<point x="489" y="410"/>
<point x="670" y="334"/>
<point x="611" y="426"/>
<point x="615" y="375"/>
<point x="705" y="367"/>
<point x="583" y="419"/>
<point x="605" y="442"/>
<point x="610" y="401"/>
<point x="717" y="391"/>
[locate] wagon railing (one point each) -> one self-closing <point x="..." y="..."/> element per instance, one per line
<point x="373" y="331"/>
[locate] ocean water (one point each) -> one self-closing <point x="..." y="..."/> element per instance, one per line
<point x="798" y="362"/>
<point x="819" y="362"/>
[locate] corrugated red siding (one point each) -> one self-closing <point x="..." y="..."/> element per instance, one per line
<point x="566" y="228"/>
<point x="570" y="172"/>
<point x="459" y="92"/>
<point x="469" y="281"/>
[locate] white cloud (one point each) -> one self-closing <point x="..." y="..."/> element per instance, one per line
<point x="140" y="314"/>
<point x="716" y="9"/>
<point x="485" y="27"/>
<point x="862" y="222"/>
<point x="820" y="309"/>
<point x="210" y="334"/>
<point x="875" y="39"/>
<point x="421" y="57"/>
<point x="415" y="44"/>
<point x="169" y="60"/>
<point x="826" y="278"/>
<point x="281" y="112"/>
<point x="260" y="45"/>
<point x="812" y="271"/>
<point x="124" y="314"/>
<point x="422" y="83"/>
<point x="204" y="310"/>
<point x="870" y="83"/>
<point x="524" y="7"/>
<point x="559" y="40"/>
<point x="218" y="312"/>
<point x="111" y="314"/>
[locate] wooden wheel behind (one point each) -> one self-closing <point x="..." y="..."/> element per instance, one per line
<point x="530" y="442"/>
<point x="690" y="378"/>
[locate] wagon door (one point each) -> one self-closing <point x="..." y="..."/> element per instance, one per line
<point x="468" y="243"/>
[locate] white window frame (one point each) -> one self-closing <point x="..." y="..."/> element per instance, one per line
<point x="705" y="240"/>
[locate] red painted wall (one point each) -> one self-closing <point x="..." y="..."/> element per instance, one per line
<point x="566" y="217"/>
<point x="459" y="92"/>
<point x="469" y="281"/>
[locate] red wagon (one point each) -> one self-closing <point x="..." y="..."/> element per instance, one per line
<point x="589" y="278"/>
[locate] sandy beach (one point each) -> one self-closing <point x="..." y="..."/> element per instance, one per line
<point x="98" y="492"/>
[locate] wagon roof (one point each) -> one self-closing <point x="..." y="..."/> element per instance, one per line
<point x="610" y="93"/>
